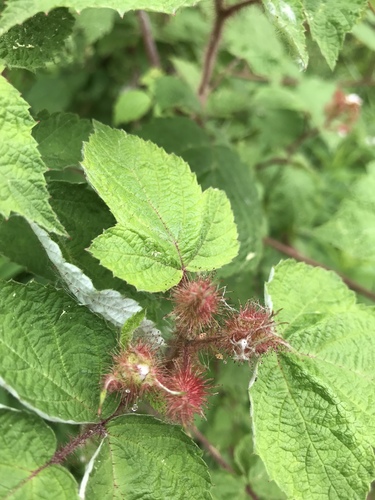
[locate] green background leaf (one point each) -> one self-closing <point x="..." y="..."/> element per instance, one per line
<point x="165" y="223"/>
<point x="22" y="185"/>
<point x="172" y="467"/>
<point x="38" y="41"/>
<point x="17" y="11"/>
<point x="27" y="443"/>
<point x="54" y="352"/>
<point x="60" y="137"/>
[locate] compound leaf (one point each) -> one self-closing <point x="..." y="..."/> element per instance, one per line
<point x="165" y="224"/>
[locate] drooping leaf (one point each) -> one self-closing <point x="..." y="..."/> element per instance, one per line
<point x="60" y="137"/>
<point x="22" y="185"/>
<point x="313" y="406"/>
<point x="54" y="352"/>
<point x="288" y="16"/>
<point x="37" y="41"/>
<point x="165" y="223"/>
<point x="172" y="467"/>
<point x="17" y="11"/>
<point x="26" y="444"/>
<point x="329" y="22"/>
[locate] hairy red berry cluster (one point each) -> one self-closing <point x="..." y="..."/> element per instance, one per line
<point x="172" y="376"/>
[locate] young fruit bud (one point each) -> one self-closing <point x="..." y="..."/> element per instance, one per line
<point x="134" y="372"/>
<point x="251" y="332"/>
<point x="187" y="393"/>
<point x="196" y="303"/>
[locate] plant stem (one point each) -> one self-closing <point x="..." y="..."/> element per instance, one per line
<point x="293" y="253"/>
<point x="221" y="15"/>
<point x="219" y="459"/>
<point x="148" y="39"/>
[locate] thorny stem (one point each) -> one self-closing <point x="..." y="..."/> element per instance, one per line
<point x="221" y="15"/>
<point x="61" y="454"/>
<point x="292" y="252"/>
<point x="219" y="459"/>
<point x="148" y="39"/>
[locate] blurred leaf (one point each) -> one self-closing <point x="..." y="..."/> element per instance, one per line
<point x="131" y="105"/>
<point x="95" y="23"/>
<point x="38" y="41"/>
<point x="60" y="137"/>
<point x="172" y="93"/>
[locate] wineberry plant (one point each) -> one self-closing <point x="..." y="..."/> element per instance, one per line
<point x="187" y="234"/>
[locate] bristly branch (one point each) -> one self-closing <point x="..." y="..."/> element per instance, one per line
<point x="294" y="254"/>
<point x="148" y="39"/>
<point x="221" y="15"/>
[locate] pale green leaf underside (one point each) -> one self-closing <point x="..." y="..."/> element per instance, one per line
<point x="165" y="223"/>
<point x="22" y="185"/>
<point x="288" y="16"/>
<point x="313" y="407"/>
<point x="17" y="11"/>
<point x="27" y="443"/>
<point x="352" y="228"/>
<point x="54" y="352"/>
<point x="171" y="464"/>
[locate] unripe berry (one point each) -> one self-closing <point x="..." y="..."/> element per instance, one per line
<point x="196" y="303"/>
<point x="188" y="392"/>
<point x="250" y="332"/>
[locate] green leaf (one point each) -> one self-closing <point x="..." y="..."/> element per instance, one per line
<point x="129" y="326"/>
<point x="352" y="228"/>
<point x="251" y="36"/>
<point x="60" y="137"/>
<point x="26" y="444"/>
<point x="165" y="223"/>
<point x="54" y="352"/>
<point x="175" y="135"/>
<point x="288" y="16"/>
<point x="17" y="11"/>
<point x="142" y="457"/>
<point x="253" y="468"/>
<point x="222" y="168"/>
<point x="130" y="106"/>
<point x="38" y="41"/>
<point x="95" y="23"/>
<point x="173" y="93"/>
<point x="313" y="407"/>
<point x="329" y="21"/>
<point x="226" y="486"/>
<point x="22" y="185"/>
